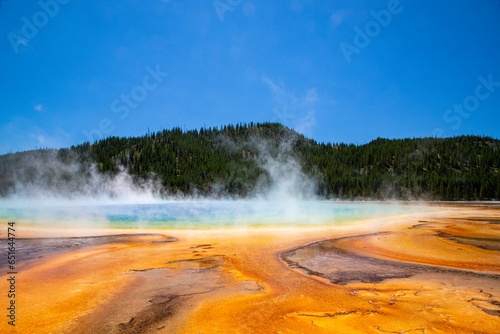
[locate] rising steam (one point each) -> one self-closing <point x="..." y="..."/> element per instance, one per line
<point x="58" y="188"/>
<point x="54" y="177"/>
<point x="284" y="178"/>
<point x="62" y="176"/>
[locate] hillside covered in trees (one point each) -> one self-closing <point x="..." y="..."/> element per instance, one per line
<point x="232" y="160"/>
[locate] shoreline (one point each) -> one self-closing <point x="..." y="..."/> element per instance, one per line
<point x="31" y="230"/>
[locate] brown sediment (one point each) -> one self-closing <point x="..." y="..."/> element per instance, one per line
<point x="435" y="272"/>
<point x="326" y="260"/>
<point x="36" y="248"/>
<point x="159" y="297"/>
<point x="484" y="242"/>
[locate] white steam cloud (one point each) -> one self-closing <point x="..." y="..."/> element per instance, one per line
<point x="45" y="176"/>
<point x="70" y="189"/>
<point x="287" y="181"/>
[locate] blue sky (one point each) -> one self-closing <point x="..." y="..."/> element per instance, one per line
<point x="336" y="71"/>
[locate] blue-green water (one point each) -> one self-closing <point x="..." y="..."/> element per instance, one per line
<point x="199" y="214"/>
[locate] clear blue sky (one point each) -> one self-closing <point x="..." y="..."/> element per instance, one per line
<point x="334" y="70"/>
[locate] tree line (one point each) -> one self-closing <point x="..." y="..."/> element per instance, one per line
<point x="228" y="161"/>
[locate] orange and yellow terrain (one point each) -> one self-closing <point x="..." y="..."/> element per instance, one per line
<point x="429" y="272"/>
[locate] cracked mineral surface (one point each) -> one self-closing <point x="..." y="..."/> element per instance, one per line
<point x="435" y="271"/>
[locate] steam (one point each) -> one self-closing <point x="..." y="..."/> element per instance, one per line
<point x="284" y="192"/>
<point x="48" y="176"/>
<point x="61" y="176"/>
<point x="285" y="186"/>
<point x="59" y="189"/>
<point x="63" y="189"/>
<point x="285" y="181"/>
<point x="51" y="185"/>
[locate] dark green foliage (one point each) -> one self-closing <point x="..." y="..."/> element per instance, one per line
<point x="193" y="161"/>
<point x="459" y="168"/>
<point x="226" y="161"/>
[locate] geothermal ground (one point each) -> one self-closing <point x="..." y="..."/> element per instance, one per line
<point x="426" y="272"/>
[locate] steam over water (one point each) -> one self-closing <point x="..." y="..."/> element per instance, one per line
<point x="198" y="213"/>
<point x="284" y="196"/>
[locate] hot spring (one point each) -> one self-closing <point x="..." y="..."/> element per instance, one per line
<point x="196" y="214"/>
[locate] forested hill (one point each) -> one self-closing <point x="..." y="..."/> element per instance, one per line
<point x="232" y="160"/>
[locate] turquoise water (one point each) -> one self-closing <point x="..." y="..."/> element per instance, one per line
<point x="200" y="214"/>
